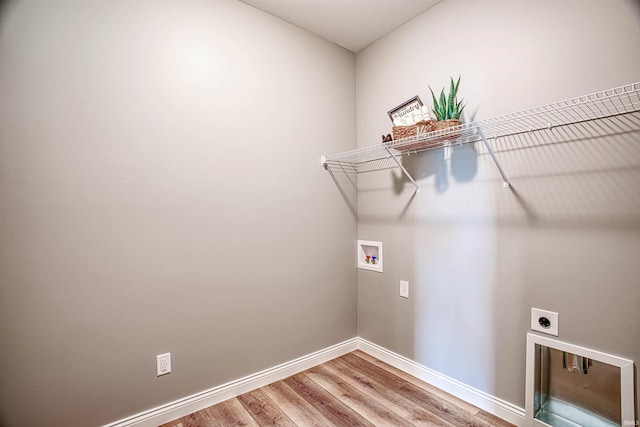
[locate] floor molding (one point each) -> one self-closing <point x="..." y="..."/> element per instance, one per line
<point x="482" y="400"/>
<point x="179" y="408"/>
<point x="198" y="401"/>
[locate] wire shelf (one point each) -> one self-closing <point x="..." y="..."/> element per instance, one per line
<point x="607" y="103"/>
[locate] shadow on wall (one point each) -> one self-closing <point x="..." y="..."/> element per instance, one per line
<point x="5" y="9"/>
<point x="464" y="167"/>
<point x="346" y="182"/>
<point x="584" y="176"/>
<point x="476" y="252"/>
<point x="581" y="175"/>
<point x="4" y="4"/>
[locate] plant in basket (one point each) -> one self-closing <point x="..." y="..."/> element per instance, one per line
<point x="448" y="109"/>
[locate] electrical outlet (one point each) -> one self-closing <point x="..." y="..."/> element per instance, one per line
<point x="544" y="321"/>
<point x="404" y="289"/>
<point x="163" y="364"/>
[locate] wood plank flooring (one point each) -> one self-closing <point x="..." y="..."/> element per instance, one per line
<point x="353" y="390"/>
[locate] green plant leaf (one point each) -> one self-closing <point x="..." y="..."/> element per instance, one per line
<point x="455" y="97"/>
<point x="435" y="101"/>
<point x="448" y="107"/>
<point x="459" y="110"/>
<point x="455" y="89"/>
<point x="436" y="107"/>
<point x="452" y="102"/>
<point x="453" y="114"/>
<point x="443" y="105"/>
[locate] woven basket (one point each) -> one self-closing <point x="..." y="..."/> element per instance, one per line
<point x="422" y="127"/>
<point x="443" y="125"/>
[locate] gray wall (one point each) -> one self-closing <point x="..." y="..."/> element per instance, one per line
<point x="160" y="191"/>
<point x="565" y="238"/>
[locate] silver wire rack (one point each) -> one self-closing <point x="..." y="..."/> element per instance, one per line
<point x="607" y="103"/>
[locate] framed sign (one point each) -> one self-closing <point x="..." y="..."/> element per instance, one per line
<point x="412" y="105"/>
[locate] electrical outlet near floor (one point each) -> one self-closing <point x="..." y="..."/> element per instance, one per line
<point x="404" y="289"/>
<point x="544" y="321"/>
<point x="163" y="364"/>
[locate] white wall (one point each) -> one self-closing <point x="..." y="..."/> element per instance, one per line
<point x="477" y="256"/>
<point x="160" y="191"/>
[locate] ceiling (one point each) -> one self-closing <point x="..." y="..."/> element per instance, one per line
<point x="352" y="24"/>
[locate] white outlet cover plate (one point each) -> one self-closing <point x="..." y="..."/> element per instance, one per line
<point x="537" y="313"/>
<point x="163" y="364"/>
<point x="404" y="289"/>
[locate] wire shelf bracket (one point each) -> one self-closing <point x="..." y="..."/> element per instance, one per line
<point x="505" y="180"/>
<point x="407" y="174"/>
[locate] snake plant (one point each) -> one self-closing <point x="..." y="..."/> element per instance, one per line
<point x="448" y="107"/>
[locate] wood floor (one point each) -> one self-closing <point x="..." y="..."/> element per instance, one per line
<point x="353" y="390"/>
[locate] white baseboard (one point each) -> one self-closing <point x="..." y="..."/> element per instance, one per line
<point x="493" y="405"/>
<point x="198" y="401"/>
<point x="171" y="411"/>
